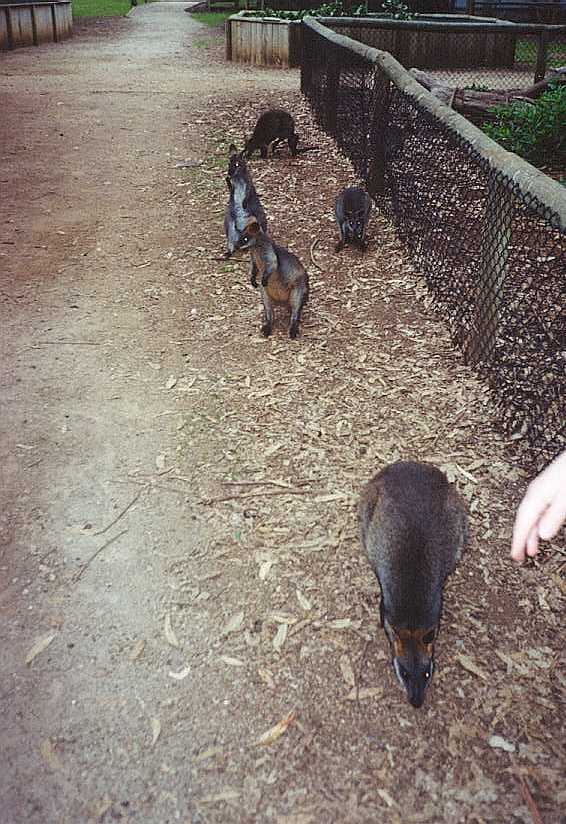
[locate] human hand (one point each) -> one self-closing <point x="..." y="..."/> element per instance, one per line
<point x="542" y="511"/>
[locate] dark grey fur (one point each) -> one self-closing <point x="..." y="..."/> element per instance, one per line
<point x="413" y="527"/>
<point x="353" y="207"/>
<point x="272" y="126"/>
<point x="243" y="202"/>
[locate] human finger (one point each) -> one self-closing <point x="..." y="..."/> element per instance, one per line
<point x="553" y="518"/>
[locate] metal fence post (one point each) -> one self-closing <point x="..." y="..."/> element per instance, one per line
<point x="542" y="46"/>
<point x="376" y="171"/>
<point x="480" y="345"/>
<point x="331" y="94"/>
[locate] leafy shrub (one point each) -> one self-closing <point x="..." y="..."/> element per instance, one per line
<point x="391" y="8"/>
<point x="533" y="131"/>
<point x="396" y="10"/>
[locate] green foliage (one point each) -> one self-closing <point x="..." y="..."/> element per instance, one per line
<point x="334" y="9"/>
<point x="391" y="9"/>
<point x="533" y="131"/>
<point x="396" y="10"/>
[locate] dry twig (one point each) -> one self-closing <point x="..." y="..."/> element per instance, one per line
<point x="313" y="247"/>
<point x="94" y="555"/>
<point x="122" y="513"/>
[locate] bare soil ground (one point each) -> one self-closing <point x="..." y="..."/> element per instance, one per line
<point x="179" y="554"/>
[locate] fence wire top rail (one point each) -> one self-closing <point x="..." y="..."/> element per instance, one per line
<point x="531" y="181"/>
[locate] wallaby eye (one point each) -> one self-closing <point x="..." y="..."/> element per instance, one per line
<point x="427" y="675"/>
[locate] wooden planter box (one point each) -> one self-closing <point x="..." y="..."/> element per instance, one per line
<point x="429" y="42"/>
<point x="435" y="42"/>
<point x="30" y="24"/>
<point x="263" y="41"/>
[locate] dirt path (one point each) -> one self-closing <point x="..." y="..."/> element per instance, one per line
<point x="179" y="554"/>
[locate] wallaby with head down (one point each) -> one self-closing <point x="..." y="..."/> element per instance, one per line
<point x="243" y="201"/>
<point x="353" y="207"/>
<point x="413" y="527"/>
<point x="284" y="279"/>
<point x="271" y="127"/>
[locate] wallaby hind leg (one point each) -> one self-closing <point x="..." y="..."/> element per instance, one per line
<point x="298" y="296"/>
<point x="267" y="325"/>
<point x="293" y="141"/>
<point x="253" y="273"/>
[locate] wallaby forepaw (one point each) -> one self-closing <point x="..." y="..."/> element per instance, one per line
<point x="339" y="246"/>
<point x="293" y="331"/>
<point x="266" y="330"/>
<point x="253" y="281"/>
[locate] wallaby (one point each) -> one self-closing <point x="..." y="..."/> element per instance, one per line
<point x="284" y="279"/>
<point x="243" y="202"/>
<point x="413" y="527"/>
<point x="352" y="210"/>
<point x="272" y="126"/>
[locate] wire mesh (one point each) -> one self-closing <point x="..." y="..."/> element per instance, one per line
<point x="493" y="256"/>
<point x="481" y="56"/>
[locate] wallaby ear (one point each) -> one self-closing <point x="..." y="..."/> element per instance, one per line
<point x="232" y="149"/>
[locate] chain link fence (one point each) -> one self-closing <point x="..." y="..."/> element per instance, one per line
<point x="464" y="51"/>
<point x="486" y="229"/>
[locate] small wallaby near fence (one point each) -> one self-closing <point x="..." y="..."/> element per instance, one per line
<point x="486" y="229"/>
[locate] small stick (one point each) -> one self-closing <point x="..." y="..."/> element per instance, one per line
<point x="313" y="247"/>
<point x="122" y="513"/>
<point x="82" y="568"/>
<point x="208" y="501"/>
<point x="360" y="668"/>
<point x="526" y="793"/>
<point x="280" y="484"/>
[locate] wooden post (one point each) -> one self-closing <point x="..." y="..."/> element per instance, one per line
<point x="540" y="68"/>
<point x="34" y="27"/>
<point x="9" y="27"/>
<point x="480" y="344"/>
<point x="228" y="38"/>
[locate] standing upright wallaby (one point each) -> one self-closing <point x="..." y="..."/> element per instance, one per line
<point x="413" y="527"/>
<point x="353" y="207"/>
<point x="272" y="126"/>
<point x="243" y="202"/>
<point x="284" y="279"/>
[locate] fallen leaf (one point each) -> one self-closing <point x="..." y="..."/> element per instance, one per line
<point x="364" y="693"/>
<point x="265" y="569"/>
<point x="303" y="601"/>
<point x="137" y="650"/>
<point x="499" y="743"/>
<point x="283" y="618"/>
<point x="468" y="664"/>
<point x="347" y="671"/>
<point x="178" y="676"/>
<point x="344" y="623"/>
<point x="232" y="662"/>
<point x="267" y="677"/>
<point x="209" y="753"/>
<point x="386" y="797"/>
<point x="277" y="730"/>
<point x="171" y="382"/>
<point x="155" y="730"/>
<point x="280" y="636"/>
<point x="40" y="645"/>
<point x="234" y="624"/>
<point x="170" y="636"/>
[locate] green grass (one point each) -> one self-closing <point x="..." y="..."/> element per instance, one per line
<point x="212" y="18"/>
<point x="101" y="8"/>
